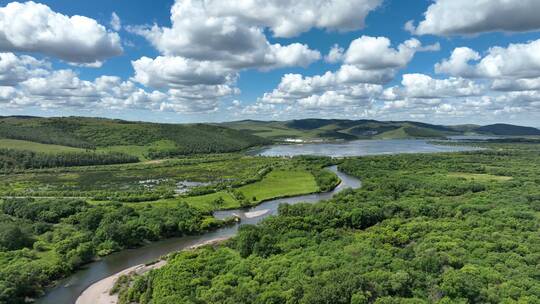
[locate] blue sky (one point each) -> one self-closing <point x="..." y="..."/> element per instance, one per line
<point x="191" y="79"/>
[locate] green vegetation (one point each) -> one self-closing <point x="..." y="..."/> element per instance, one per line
<point x="430" y="228"/>
<point x="141" y="181"/>
<point x="150" y="140"/>
<point x="332" y="129"/>
<point x="341" y="129"/>
<point x="13" y="160"/>
<point x="45" y="239"/>
<point x="35" y="147"/>
<point x="506" y="129"/>
<point x="41" y="241"/>
<point x="281" y="182"/>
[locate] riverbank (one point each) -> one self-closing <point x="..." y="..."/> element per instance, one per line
<point x="100" y="292"/>
<point x="69" y="289"/>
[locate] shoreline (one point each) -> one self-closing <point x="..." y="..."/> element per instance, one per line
<point x="99" y="292"/>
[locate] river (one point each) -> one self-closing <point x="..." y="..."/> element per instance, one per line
<point x="67" y="290"/>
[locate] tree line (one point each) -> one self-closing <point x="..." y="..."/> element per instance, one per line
<point x="11" y="159"/>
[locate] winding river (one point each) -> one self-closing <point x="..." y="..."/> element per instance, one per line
<point x="69" y="289"/>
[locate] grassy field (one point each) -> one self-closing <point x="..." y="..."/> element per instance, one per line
<point x="35" y="147"/>
<point x="140" y="151"/>
<point x="147" y="177"/>
<point x="278" y="183"/>
<point x="480" y="177"/>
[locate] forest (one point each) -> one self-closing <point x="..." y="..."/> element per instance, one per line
<point x="158" y="140"/>
<point x="13" y="160"/>
<point x="41" y="241"/>
<point x="44" y="239"/>
<point x="435" y="228"/>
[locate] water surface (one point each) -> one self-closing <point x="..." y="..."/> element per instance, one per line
<point x="359" y="148"/>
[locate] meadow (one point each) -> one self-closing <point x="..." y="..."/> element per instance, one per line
<point x="277" y="183"/>
<point x="157" y="178"/>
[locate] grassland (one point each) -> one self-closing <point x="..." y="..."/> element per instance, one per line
<point x="480" y="177"/>
<point x="142" y="152"/>
<point x="35" y="147"/>
<point x="148" y="178"/>
<point x="278" y="183"/>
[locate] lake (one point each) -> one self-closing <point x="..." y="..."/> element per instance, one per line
<point x="359" y="148"/>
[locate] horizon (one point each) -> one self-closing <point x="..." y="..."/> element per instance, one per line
<point x="383" y="60"/>
<point x="262" y="120"/>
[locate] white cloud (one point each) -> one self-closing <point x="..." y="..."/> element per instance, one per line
<point x="175" y="72"/>
<point x="526" y="84"/>
<point x="116" y="23"/>
<point x="466" y="17"/>
<point x="335" y="55"/>
<point x="26" y="81"/>
<point x="458" y="63"/>
<point x="426" y="87"/>
<point x="208" y="31"/>
<point x="514" y="68"/>
<point x="14" y="69"/>
<point x="289" y="18"/>
<point x="34" y="27"/>
<point x="374" y="53"/>
<point x="369" y="62"/>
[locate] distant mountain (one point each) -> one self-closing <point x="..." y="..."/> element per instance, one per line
<point x="507" y="130"/>
<point x="154" y="139"/>
<point x="313" y="129"/>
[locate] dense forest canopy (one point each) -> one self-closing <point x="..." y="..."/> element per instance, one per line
<point x="446" y="228"/>
<point x="92" y="133"/>
<point x="44" y="240"/>
<point x="11" y="160"/>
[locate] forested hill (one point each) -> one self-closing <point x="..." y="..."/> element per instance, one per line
<point x="508" y="130"/>
<point x="368" y="129"/>
<point x="158" y="140"/>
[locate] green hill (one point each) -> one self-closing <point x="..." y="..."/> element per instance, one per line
<point x="341" y="129"/>
<point x="152" y="140"/>
<point x="344" y="129"/>
<point x="507" y="130"/>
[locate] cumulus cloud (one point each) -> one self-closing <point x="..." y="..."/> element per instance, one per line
<point x="374" y="53"/>
<point x="26" y="81"/>
<point x="335" y="54"/>
<point x="14" y="69"/>
<point x="115" y="22"/>
<point x="526" y="84"/>
<point x="512" y="68"/>
<point x="212" y="31"/>
<point x="465" y="17"/>
<point x="425" y="87"/>
<point x="459" y="63"/>
<point x="175" y="72"/>
<point x="367" y="64"/>
<point x="290" y="18"/>
<point x="34" y="27"/>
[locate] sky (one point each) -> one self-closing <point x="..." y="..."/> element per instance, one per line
<point x="440" y="61"/>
